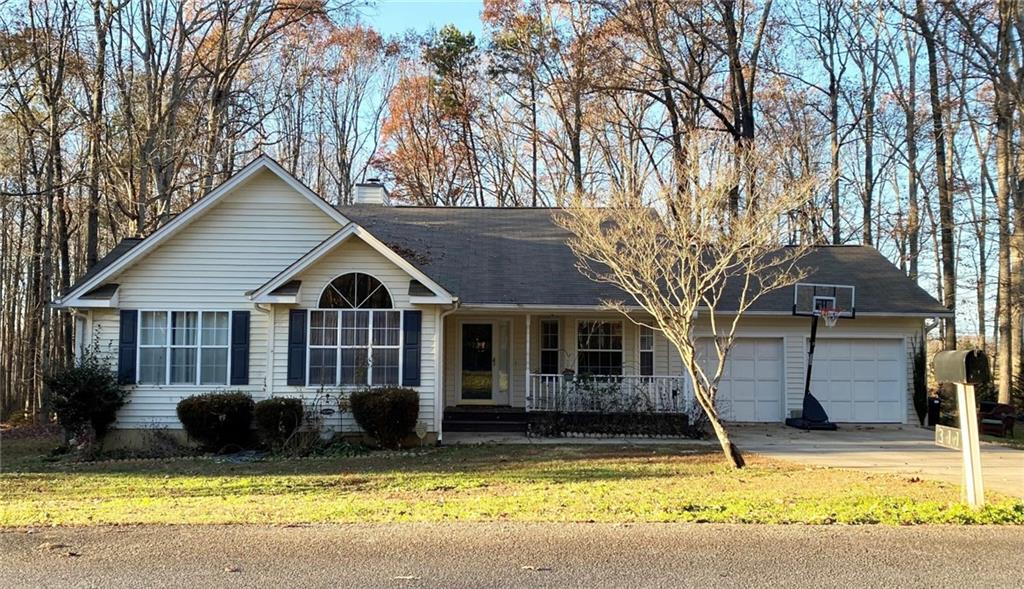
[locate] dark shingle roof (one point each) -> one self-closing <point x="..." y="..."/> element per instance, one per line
<point x="520" y="256"/>
<point x="122" y="248"/>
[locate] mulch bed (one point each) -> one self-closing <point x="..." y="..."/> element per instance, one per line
<point x="24" y="431"/>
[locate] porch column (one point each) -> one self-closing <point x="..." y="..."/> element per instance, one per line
<point x="528" y="384"/>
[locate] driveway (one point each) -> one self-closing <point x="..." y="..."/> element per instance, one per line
<point x="454" y="555"/>
<point x="896" y="449"/>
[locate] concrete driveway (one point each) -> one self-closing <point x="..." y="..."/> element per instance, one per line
<point x="896" y="449"/>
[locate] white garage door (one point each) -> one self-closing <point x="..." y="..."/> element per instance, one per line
<point x="751" y="386"/>
<point x="860" y="380"/>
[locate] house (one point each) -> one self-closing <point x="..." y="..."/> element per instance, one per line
<point x="262" y="286"/>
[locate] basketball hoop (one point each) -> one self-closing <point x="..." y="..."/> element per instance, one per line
<point x="831" y="315"/>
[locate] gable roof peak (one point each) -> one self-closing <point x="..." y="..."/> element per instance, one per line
<point x="138" y="247"/>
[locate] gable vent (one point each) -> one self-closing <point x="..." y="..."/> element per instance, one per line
<point x="371" y="192"/>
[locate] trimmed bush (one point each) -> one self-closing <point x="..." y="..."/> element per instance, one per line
<point x="86" y="395"/>
<point x="277" y="419"/>
<point x="388" y="414"/>
<point x="217" y="420"/>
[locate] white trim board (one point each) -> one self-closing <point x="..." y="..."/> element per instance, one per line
<point x="263" y="162"/>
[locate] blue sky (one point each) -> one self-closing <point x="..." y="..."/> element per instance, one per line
<point x="395" y="17"/>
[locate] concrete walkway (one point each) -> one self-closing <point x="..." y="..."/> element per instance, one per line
<point x="895" y="449"/>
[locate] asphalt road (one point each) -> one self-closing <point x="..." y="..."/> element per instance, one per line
<point x="505" y="555"/>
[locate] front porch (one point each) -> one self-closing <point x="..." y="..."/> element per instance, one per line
<point x="500" y="366"/>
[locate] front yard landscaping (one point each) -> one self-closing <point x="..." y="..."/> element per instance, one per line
<point x="600" y="483"/>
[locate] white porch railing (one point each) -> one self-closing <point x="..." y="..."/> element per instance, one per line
<point x="609" y="394"/>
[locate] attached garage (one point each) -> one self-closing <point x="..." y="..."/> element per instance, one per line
<point x="752" y="384"/>
<point x="861" y="380"/>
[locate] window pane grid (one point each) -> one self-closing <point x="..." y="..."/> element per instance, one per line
<point x="354" y="328"/>
<point x="184" y="347"/>
<point x="214" y="333"/>
<point x="549" y="346"/>
<point x="365" y="349"/>
<point x="599" y="347"/>
<point x="355" y="290"/>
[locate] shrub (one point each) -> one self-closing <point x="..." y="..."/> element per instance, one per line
<point x="387" y="414"/>
<point x="277" y="419"/>
<point x="217" y="420"/>
<point x="556" y="424"/>
<point x="86" y="396"/>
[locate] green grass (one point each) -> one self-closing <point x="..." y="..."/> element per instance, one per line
<point x="480" y="483"/>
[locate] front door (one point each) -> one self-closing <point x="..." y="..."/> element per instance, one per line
<point x="485" y="362"/>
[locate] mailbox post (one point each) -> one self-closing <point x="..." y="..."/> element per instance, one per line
<point x="965" y="368"/>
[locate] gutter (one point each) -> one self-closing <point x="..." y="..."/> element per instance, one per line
<point x="439" y="368"/>
<point x="636" y="308"/>
<point x="268" y="370"/>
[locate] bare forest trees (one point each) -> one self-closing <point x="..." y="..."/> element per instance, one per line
<point x="116" y="115"/>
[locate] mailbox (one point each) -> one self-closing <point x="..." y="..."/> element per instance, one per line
<point x="962" y="366"/>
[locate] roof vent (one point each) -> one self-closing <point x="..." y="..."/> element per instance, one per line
<point x="371" y="192"/>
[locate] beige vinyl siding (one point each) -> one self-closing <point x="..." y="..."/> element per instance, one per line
<point x="354" y="255"/>
<point x="242" y="242"/>
<point x="256" y="231"/>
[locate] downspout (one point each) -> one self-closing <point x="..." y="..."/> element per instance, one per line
<point x="439" y="368"/>
<point x="268" y="370"/>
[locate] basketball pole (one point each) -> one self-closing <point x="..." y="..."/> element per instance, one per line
<point x="810" y="352"/>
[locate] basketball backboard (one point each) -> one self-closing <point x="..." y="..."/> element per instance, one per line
<point x="809" y="299"/>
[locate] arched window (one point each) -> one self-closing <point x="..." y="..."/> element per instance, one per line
<point x="354" y="337"/>
<point x="355" y="290"/>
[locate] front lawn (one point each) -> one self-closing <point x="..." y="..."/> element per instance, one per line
<point x="599" y="483"/>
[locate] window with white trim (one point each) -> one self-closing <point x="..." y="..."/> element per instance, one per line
<point x="646" y="348"/>
<point x="549" y="346"/>
<point x="184" y="347"/>
<point x="354" y="336"/>
<point x="599" y="347"/>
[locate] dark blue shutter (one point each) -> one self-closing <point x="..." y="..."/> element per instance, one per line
<point x="412" y="324"/>
<point x="297" y="347"/>
<point x="240" y="347"/>
<point x="127" y="347"/>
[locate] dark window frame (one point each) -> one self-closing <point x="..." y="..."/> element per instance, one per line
<point x="600" y="356"/>
<point x="550" y="351"/>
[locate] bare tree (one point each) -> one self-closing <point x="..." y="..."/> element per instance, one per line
<point x="1000" y="59"/>
<point x="699" y="270"/>
<point x="925" y="28"/>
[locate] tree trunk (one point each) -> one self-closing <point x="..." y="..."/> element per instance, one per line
<point x="1004" y="301"/>
<point x="533" y="139"/>
<point x="95" y="130"/>
<point x="731" y="451"/>
<point x="942" y="176"/>
<point x="833" y="106"/>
